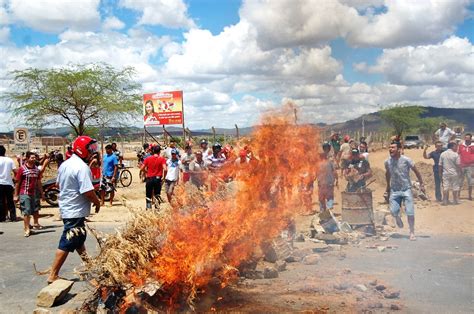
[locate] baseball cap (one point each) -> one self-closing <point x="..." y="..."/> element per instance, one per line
<point x="355" y="151"/>
<point x="174" y="151"/>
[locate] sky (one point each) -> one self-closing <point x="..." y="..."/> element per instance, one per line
<point x="234" y="59"/>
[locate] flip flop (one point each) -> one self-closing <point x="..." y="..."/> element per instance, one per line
<point x="38" y="227"/>
<point x="27" y="233"/>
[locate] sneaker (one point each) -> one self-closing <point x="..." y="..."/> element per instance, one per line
<point x="399" y="221"/>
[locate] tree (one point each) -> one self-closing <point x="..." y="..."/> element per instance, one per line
<point x="80" y="96"/>
<point x="402" y="118"/>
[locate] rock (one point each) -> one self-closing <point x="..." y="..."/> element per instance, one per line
<point x="334" y="247"/>
<point x="53" y="293"/>
<point x="380" y="287"/>
<point x="377" y="305"/>
<point x="270" y="272"/>
<point x="293" y="259"/>
<point x="373" y="282"/>
<point x="381" y="248"/>
<point x="331" y="239"/>
<point x="341" y="286"/>
<point x="392" y="295"/>
<point x="311" y="259"/>
<point x="395" y="307"/>
<point x="320" y="248"/>
<point x="41" y="311"/>
<point x="300" y="238"/>
<point x="254" y="274"/>
<point x="280" y="266"/>
<point x="361" y="287"/>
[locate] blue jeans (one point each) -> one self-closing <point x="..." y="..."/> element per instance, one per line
<point x="396" y="198"/>
<point x="437" y="180"/>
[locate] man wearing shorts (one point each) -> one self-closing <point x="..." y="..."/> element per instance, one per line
<point x="75" y="198"/>
<point x="466" y="155"/>
<point x="450" y="172"/>
<point x="397" y="174"/>
<point x="327" y="179"/>
<point x="153" y="167"/>
<point x="172" y="176"/>
<point x="28" y="181"/>
<point x="109" y="174"/>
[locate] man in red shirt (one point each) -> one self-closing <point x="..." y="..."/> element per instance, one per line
<point x="466" y="154"/>
<point x="154" y="168"/>
<point x="28" y="180"/>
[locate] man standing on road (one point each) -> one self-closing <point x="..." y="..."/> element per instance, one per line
<point x="7" y="166"/>
<point x="109" y="173"/>
<point x="327" y="179"/>
<point x="450" y="171"/>
<point x="345" y="153"/>
<point x="173" y="166"/>
<point x="466" y="154"/>
<point x="28" y="180"/>
<point x="435" y="155"/>
<point x="154" y="168"/>
<point x="397" y="174"/>
<point x="444" y="134"/>
<point x="75" y="198"/>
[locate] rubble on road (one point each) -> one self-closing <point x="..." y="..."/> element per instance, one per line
<point x="53" y="293"/>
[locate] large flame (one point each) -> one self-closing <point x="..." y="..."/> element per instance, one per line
<point x="219" y="233"/>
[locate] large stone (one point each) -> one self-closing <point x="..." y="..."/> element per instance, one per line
<point x="53" y="293"/>
<point x="41" y="310"/>
<point x="270" y="272"/>
<point x="361" y="287"/>
<point x="311" y="259"/>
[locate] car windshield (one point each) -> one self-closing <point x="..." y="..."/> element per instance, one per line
<point x="412" y="138"/>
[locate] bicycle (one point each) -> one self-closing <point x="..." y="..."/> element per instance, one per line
<point x="124" y="176"/>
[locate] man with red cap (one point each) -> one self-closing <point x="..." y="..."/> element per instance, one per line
<point x="75" y="198"/>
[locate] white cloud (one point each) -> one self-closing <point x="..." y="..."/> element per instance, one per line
<point x="4" y="34"/>
<point x="168" y="13"/>
<point x="450" y="63"/>
<point x="55" y="16"/>
<point x="410" y="22"/>
<point x="284" y="23"/>
<point x="112" y="23"/>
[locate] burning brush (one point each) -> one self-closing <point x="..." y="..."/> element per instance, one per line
<point x="170" y="258"/>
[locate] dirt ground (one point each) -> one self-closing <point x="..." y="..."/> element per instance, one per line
<point x="327" y="286"/>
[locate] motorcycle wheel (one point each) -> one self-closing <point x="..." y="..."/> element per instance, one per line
<point x="52" y="196"/>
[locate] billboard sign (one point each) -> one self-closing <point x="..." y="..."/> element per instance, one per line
<point x="163" y="108"/>
<point x="22" y="139"/>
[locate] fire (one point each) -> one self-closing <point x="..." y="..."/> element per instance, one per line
<point x="208" y="236"/>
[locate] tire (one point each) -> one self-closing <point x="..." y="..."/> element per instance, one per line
<point x="125" y="178"/>
<point x="52" y="196"/>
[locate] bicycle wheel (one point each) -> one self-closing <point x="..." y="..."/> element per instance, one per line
<point x="125" y="178"/>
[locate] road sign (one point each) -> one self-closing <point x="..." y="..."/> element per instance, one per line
<point x="22" y="139"/>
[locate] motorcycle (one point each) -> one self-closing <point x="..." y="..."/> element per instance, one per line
<point x="51" y="191"/>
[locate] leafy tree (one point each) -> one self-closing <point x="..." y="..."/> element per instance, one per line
<point x="402" y="118"/>
<point x="80" y="96"/>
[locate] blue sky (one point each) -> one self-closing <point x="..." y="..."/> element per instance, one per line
<point x="234" y="59"/>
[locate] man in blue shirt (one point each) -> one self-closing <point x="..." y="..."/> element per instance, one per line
<point x="109" y="172"/>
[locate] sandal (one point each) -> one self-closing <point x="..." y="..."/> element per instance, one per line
<point x="27" y="233"/>
<point x="38" y="227"/>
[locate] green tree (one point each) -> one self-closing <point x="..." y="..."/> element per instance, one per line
<point x="402" y="118"/>
<point x="80" y="96"/>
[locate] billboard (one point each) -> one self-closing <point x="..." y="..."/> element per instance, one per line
<point x="163" y="108"/>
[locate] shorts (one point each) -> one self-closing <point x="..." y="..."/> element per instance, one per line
<point x="106" y="184"/>
<point x="395" y="201"/>
<point x="345" y="163"/>
<point x="27" y="204"/>
<point x="169" y="186"/>
<point x="451" y="182"/>
<point x="74" y="234"/>
<point x="469" y="173"/>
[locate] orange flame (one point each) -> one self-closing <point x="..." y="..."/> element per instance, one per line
<point x="217" y="236"/>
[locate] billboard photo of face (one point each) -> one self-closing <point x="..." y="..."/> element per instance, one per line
<point x="163" y="108"/>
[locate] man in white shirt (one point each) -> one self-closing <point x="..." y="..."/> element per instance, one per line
<point x="7" y="166"/>
<point x="444" y="135"/>
<point x="172" y="175"/>
<point x="450" y="172"/>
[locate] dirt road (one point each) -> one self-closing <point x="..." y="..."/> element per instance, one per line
<point x="433" y="274"/>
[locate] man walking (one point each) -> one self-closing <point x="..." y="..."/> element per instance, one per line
<point x="173" y="166"/>
<point x="450" y="171"/>
<point x="109" y="174"/>
<point x="7" y="167"/>
<point x="154" y="168"/>
<point x="397" y="174"/>
<point x="75" y="198"/>
<point x="435" y="155"/>
<point x="444" y="134"/>
<point x="466" y="155"/>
